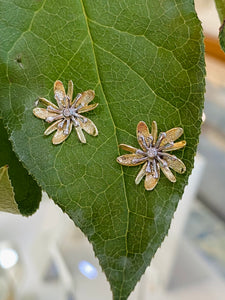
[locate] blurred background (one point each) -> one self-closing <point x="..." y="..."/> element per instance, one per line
<point x="45" y="257"/>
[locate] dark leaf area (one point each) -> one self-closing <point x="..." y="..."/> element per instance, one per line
<point x="26" y="191"/>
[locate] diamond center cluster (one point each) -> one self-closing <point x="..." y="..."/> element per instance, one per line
<point x="152" y="152"/>
<point x="69" y="112"/>
<point x="66" y="112"/>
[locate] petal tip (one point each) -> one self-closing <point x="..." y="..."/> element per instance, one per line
<point x="142" y="127"/>
<point x="183" y="170"/>
<point x="136" y="182"/>
<point x="172" y="179"/>
<point x="56" y="142"/>
<point x="141" y="124"/>
<point x="58" y="82"/>
<point x="90" y="94"/>
<point x="181" y="130"/>
<point x="118" y="159"/>
<point x="149" y="188"/>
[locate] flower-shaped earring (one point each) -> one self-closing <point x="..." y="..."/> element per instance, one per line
<point x="154" y="154"/>
<point x="68" y="113"/>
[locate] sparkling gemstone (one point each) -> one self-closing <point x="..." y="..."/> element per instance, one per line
<point x="152" y="152"/>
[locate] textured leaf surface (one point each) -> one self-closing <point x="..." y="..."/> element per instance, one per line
<point x="222" y="36"/>
<point x="144" y="59"/>
<point x="7" y="200"/>
<point x="25" y="190"/>
<point x="220" y="5"/>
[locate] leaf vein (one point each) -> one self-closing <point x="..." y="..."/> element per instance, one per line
<point x="99" y="79"/>
<point x="152" y="91"/>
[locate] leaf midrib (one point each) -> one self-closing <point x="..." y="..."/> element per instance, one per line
<point x="100" y="83"/>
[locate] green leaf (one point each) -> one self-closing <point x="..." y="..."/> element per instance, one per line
<point x="7" y="200"/>
<point x="144" y="59"/>
<point x="220" y="5"/>
<point x="222" y="36"/>
<point x="27" y="193"/>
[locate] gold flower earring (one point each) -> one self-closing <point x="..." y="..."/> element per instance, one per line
<point x="153" y="154"/>
<point x="68" y="113"/>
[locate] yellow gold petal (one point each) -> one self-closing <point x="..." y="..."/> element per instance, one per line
<point x="141" y="173"/>
<point x="176" y="146"/>
<point x="87" y="108"/>
<point x="59" y="136"/>
<point x="152" y="177"/>
<point x="168" y="173"/>
<point x="47" y="103"/>
<point x="154" y="132"/>
<point x="131" y="159"/>
<point x="175" y="163"/>
<point x="143" y="135"/>
<point x="42" y="113"/>
<point x="80" y="134"/>
<point x="128" y="148"/>
<point x="52" y="127"/>
<point x="59" y="92"/>
<point x="172" y="135"/>
<point x="70" y="90"/>
<point x="89" y="127"/>
<point x="150" y="181"/>
<point x="85" y="98"/>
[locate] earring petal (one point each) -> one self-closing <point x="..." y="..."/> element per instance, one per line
<point x="42" y="113"/>
<point x="141" y="173"/>
<point x="150" y="181"/>
<point x="89" y="127"/>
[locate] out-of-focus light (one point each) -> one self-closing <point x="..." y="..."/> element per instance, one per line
<point x="203" y="117"/>
<point x="8" y="258"/>
<point x="87" y="269"/>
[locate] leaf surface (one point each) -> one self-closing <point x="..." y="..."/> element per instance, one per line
<point x="144" y="59"/>
<point x="7" y="200"/>
<point x="25" y="194"/>
<point x="222" y="36"/>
